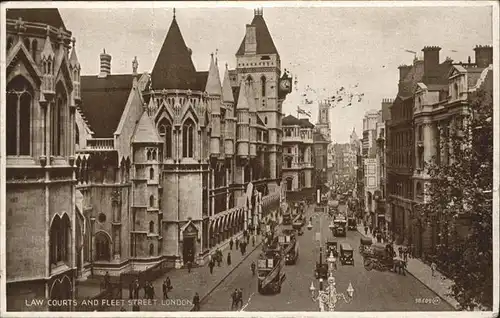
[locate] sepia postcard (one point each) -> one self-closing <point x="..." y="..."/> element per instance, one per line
<point x="249" y="158"/>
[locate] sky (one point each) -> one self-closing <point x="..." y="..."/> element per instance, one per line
<point x="325" y="48"/>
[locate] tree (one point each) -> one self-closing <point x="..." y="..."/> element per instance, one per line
<point x="458" y="204"/>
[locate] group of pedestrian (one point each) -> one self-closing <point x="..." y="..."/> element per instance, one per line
<point x="237" y="299"/>
<point x="167" y="286"/>
<point x="405" y="252"/>
<point x="149" y="290"/>
<point x="217" y="258"/>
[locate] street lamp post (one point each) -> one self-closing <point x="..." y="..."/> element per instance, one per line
<point x="327" y="299"/>
<point x="92" y="222"/>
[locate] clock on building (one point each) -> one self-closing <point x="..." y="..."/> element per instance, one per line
<point x="286" y="85"/>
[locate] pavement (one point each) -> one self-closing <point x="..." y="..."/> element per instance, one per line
<point x="185" y="284"/>
<point x="438" y="283"/>
<point x="373" y="290"/>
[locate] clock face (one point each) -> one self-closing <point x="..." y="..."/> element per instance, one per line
<point x="285" y="85"/>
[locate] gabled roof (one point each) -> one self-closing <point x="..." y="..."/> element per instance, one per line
<point x="174" y="68"/>
<point x="265" y="44"/>
<point x="45" y="16"/>
<point x="290" y="121"/>
<point x="103" y="101"/>
<point x="305" y="123"/>
<point x="145" y="131"/>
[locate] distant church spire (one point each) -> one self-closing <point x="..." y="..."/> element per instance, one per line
<point x="174" y="13"/>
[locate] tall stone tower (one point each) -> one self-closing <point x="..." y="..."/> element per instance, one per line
<point x="258" y="65"/>
<point x="323" y="124"/>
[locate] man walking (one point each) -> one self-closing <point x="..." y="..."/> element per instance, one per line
<point x="231" y="244"/>
<point x="189" y="266"/>
<point x="366" y="230"/>
<point x="211" y="266"/>
<point x="234" y="299"/>
<point x="165" y="289"/>
<point x="196" y="302"/>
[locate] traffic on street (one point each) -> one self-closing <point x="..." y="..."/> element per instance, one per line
<point x="373" y="290"/>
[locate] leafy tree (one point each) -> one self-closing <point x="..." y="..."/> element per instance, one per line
<point x="458" y="204"/>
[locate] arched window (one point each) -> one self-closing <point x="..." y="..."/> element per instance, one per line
<point x="165" y="129"/>
<point x="188" y="139"/>
<point x="77" y="135"/>
<point x="263" y="85"/>
<point x="27" y="44"/>
<point x="58" y="120"/>
<point x="151" y="249"/>
<point x="19" y="107"/>
<point x="151" y="201"/>
<point x="102" y="247"/>
<point x="59" y="240"/>
<point x="151" y="227"/>
<point x="34" y="48"/>
<point x="151" y="173"/>
<point x="154" y="154"/>
<point x="419" y="189"/>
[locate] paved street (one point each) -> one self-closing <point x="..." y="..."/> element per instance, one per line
<point x="374" y="291"/>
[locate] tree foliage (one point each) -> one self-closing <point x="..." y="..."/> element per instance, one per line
<point x="458" y="203"/>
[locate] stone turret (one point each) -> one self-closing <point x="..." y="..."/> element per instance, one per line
<point x="214" y="91"/>
<point x="242" y="113"/>
<point x="74" y="66"/>
<point x="228" y="100"/>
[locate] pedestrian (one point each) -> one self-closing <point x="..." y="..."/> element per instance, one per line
<point x="165" y="289"/>
<point x="209" y="258"/>
<point x="240" y="298"/>
<point x="211" y="266"/>
<point x="219" y="259"/>
<point x="253" y="240"/>
<point x="169" y="284"/>
<point x="136" y="307"/>
<point x="107" y="280"/>
<point x="231" y="244"/>
<point x="196" y="302"/>
<point x="234" y="299"/>
<point x="366" y="230"/>
<point x="136" y="289"/>
<point x="237" y="243"/>
<point x="151" y="291"/>
<point x="229" y="258"/>
<point x="433" y="269"/>
<point x="400" y="251"/>
<point x="146" y="290"/>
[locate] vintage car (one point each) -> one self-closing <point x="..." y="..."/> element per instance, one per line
<point x="346" y="254"/>
<point x="321" y="271"/>
<point x="364" y="243"/>
<point x="331" y="247"/>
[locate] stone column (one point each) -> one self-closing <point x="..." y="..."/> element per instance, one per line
<point x="212" y="197"/>
<point x="429" y="141"/>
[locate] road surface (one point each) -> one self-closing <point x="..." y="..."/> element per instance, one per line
<point x="373" y="291"/>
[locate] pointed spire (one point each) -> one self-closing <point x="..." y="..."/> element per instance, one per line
<point x="227" y="91"/>
<point x="48" y="52"/>
<point x="174" y="13"/>
<point x="73" y="60"/>
<point x="213" y="86"/>
<point x="242" y="98"/>
<point x="135" y="65"/>
<point x="174" y="68"/>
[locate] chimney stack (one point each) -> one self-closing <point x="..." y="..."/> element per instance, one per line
<point x="484" y="55"/>
<point x="431" y="59"/>
<point x="403" y="71"/>
<point x="250" y="40"/>
<point x="105" y="64"/>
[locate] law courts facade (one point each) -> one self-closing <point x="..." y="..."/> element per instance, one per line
<point x="123" y="172"/>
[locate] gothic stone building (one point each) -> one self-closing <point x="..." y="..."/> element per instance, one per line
<point x="125" y="172"/>
<point x="173" y="163"/>
<point x="42" y="223"/>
